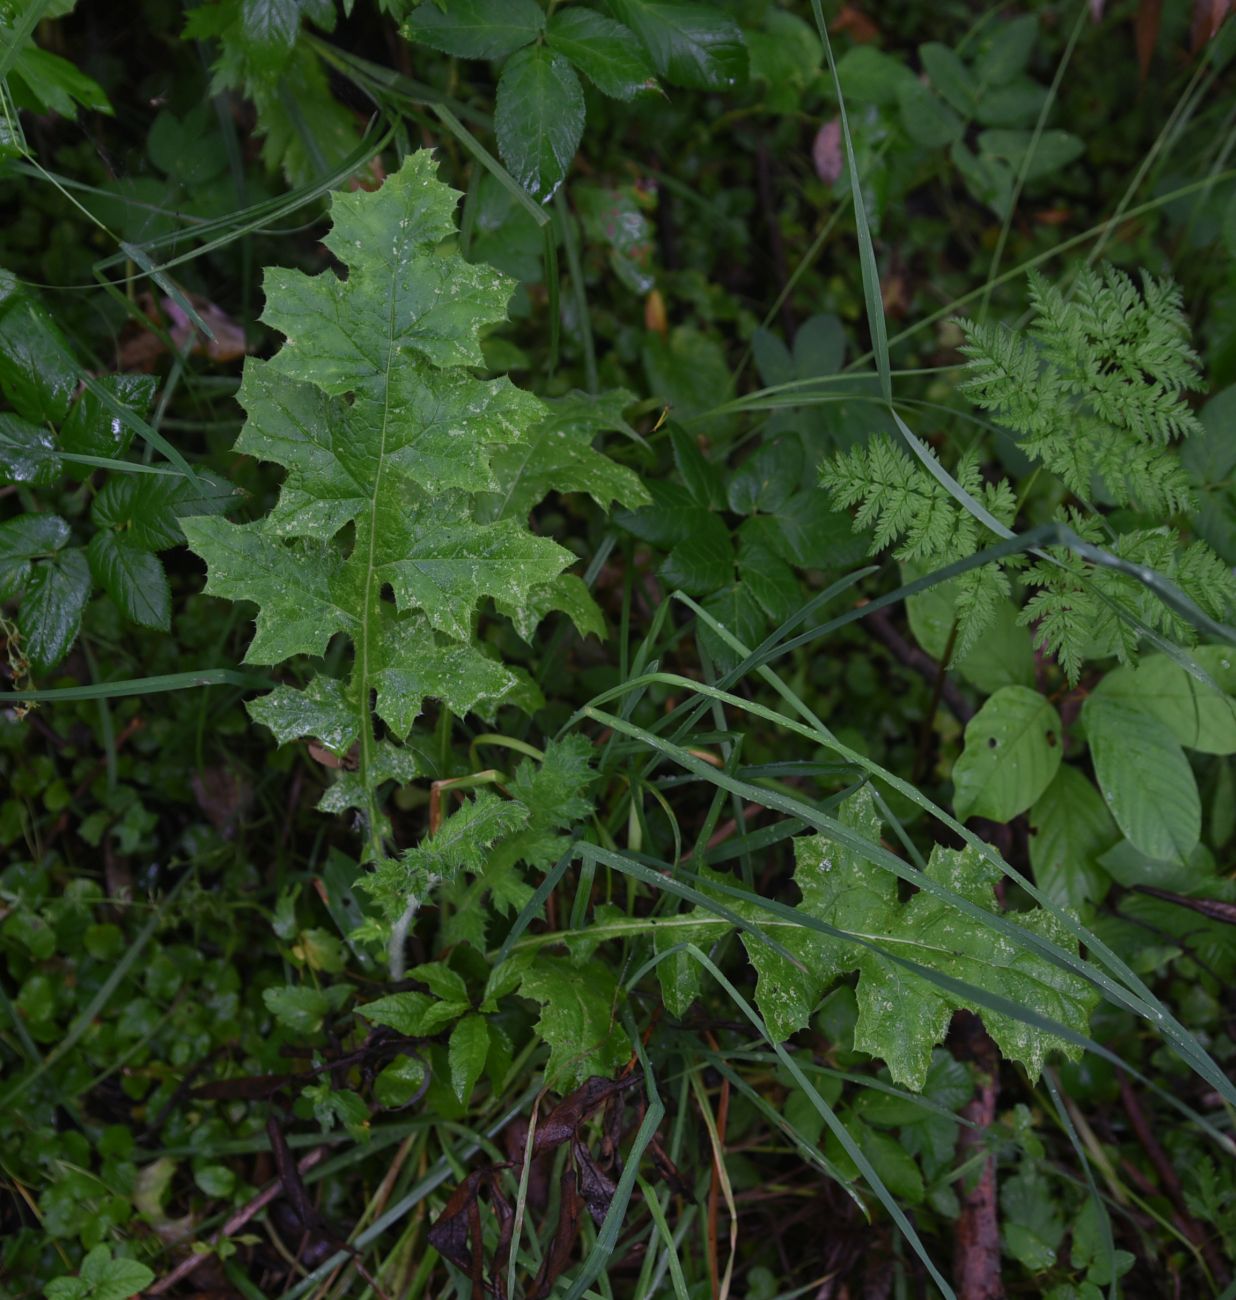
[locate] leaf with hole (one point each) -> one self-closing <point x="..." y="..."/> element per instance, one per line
<point x="1013" y="750"/>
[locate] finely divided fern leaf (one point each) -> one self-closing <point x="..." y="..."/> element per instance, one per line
<point x="1096" y="389"/>
<point x="901" y="502"/>
<point x="1095" y="392"/>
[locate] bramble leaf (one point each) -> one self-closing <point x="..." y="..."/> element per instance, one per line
<point x="692" y="45"/>
<point x="476" y="29"/>
<point x="606" y="52"/>
<point x="539" y="118"/>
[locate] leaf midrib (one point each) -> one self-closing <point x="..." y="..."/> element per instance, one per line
<point x="363" y="648"/>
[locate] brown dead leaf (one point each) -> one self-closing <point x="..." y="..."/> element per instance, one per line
<point x="1146" y="33"/>
<point x="320" y="754"/>
<point x="1208" y="16"/>
<point x="222" y="796"/>
<point x="141" y="348"/>
<point x="857" y="24"/>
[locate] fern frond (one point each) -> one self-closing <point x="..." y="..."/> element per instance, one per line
<point x="901" y="502"/>
<point x="1086" y="611"/>
<point x="1096" y="388"/>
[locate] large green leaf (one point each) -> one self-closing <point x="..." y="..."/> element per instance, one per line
<point x="606" y="52"/>
<point x="1013" y="750"/>
<point x="901" y="1014"/>
<point x="691" y="45"/>
<point x="389" y="443"/>
<point x="476" y="29"/>
<point x="1144" y="777"/>
<point x="539" y="119"/>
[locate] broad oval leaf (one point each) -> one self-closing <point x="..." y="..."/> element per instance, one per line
<point x="476" y="29"/>
<point x="691" y="45"/>
<point x="1144" y="777"/>
<point x="1012" y="752"/>
<point x="466" y="1053"/>
<point x="539" y="119"/>
<point x="606" y="52"/>
<point x="1200" y="717"/>
<point x="1071" y="829"/>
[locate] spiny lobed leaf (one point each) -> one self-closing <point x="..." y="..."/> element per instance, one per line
<point x="901" y="1014"/>
<point x="392" y="449"/>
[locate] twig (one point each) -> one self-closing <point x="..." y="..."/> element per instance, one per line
<point x="977" y="1243"/>
<point x="238" y="1220"/>
<point x="945" y="689"/>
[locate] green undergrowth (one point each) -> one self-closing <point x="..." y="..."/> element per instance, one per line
<point x="618" y="644"/>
